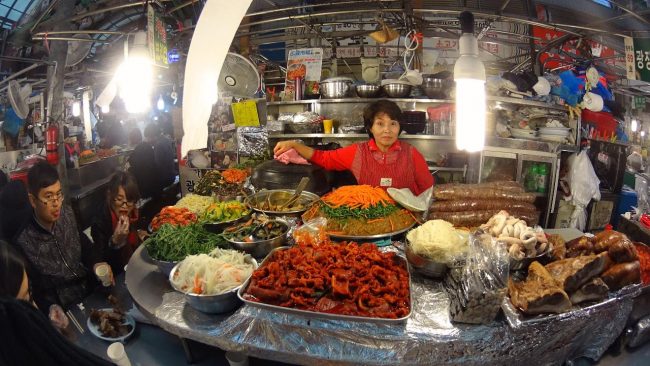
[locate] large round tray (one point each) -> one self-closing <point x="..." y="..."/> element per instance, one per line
<point x="371" y="237"/>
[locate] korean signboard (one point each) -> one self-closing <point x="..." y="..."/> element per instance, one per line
<point x="305" y="63"/>
<point x="156" y="37"/>
<point x="637" y="58"/>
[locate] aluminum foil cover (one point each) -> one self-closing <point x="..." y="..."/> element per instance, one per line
<point x="428" y="337"/>
<point x="253" y="141"/>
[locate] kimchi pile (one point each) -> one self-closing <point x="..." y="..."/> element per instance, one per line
<point x="344" y="279"/>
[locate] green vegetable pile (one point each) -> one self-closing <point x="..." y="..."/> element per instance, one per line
<point x="173" y="243"/>
<point x="345" y="212"/>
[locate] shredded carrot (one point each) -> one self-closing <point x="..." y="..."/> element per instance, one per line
<point x="358" y="196"/>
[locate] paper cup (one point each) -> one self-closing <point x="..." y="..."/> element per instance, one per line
<point x="237" y="359"/>
<point x="103" y="273"/>
<point x="117" y="354"/>
<point x="328" y="125"/>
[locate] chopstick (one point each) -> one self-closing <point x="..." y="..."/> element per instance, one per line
<point x="75" y="321"/>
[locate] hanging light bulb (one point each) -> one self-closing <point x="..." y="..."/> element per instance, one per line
<point x="634" y="125"/>
<point x="642" y="134"/>
<point x="161" y="103"/>
<point x="469" y="75"/>
<point x="76" y="109"/>
<point x="135" y="76"/>
<point x="106" y="109"/>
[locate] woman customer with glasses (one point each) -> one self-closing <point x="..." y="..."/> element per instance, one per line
<point x="383" y="161"/>
<point x="61" y="258"/>
<point x="113" y="229"/>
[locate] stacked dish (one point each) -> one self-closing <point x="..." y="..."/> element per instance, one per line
<point x="554" y="134"/>
<point x="521" y="133"/>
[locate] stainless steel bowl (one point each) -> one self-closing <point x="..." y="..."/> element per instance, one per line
<point x="368" y="90"/>
<point x="423" y="265"/>
<point x="261" y="248"/>
<point x="335" y="89"/>
<point x="212" y="304"/>
<point x="397" y="90"/>
<point x="279" y="196"/>
<point x="434" y="87"/>
<point x="164" y="266"/>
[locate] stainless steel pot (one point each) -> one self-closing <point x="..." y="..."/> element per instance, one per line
<point x="368" y="90"/>
<point x="335" y="88"/>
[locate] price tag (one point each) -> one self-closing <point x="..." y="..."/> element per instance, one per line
<point x="245" y="114"/>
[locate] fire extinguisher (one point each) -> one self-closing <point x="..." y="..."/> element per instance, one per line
<point x="51" y="143"/>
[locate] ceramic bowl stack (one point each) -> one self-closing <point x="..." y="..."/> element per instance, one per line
<point x="554" y="134"/>
<point x="523" y="133"/>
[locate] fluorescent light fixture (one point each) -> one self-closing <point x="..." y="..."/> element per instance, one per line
<point x="160" y="104"/>
<point x="634" y="125"/>
<point x="76" y="108"/>
<point x="106" y="109"/>
<point x="469" y="74"/>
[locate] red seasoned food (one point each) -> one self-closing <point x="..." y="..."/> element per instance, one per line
<point x="177" y="216"/>
<point x="344" y="279"/>
<point x="644" y="260"/>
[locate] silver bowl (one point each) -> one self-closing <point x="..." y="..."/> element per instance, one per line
<point x="279" y="196"/>
<point x="212" y="304"/>
<point x="261" y="248"/>
<point x="423" y="265"/>
<point x="335" y="89"/>
<point x="435" y="88"/>
<point x="368" y="90"/>
<point x="164" y="266"/>
<point x="397" y="90"/>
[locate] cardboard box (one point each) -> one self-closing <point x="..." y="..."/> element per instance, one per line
<point x="189" y="177"/>
<point x="563" y="217"/>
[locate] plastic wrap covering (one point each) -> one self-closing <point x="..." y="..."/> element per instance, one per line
<point x="467" y="192"/>
<point x="477" y="289"/>
<point x="302" y="122"/>
<point x="639" y="333"/>
<point x="454" y="190"/>
<point x="253" y="141"/>
<point x="477" y="218"/>
<point x="478" y="204"/>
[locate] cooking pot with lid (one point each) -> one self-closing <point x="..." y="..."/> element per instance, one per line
<point x="276" y="175"/>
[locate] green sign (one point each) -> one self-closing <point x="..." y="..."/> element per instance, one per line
<point x="638" y="103"/>
<point x="156" y="37"/>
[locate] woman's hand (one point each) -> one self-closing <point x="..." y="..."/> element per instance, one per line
<point x="283" y="146"/>
<point x="121" y="232"/>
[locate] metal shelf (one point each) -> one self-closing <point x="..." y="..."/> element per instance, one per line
<point x="354" y="136"/>
<point x="445" y="169"/>
<point x="489" y="98"/>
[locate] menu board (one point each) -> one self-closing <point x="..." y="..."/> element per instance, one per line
<point x="305" y="63"/>
<point x="637" y="57"/>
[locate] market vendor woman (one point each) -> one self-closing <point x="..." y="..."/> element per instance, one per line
<point x="383" y="161"/>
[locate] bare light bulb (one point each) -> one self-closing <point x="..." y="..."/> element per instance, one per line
<point x="106" y="109"/>
<point x="642" y="133"/>
<point x="634" y="125"/>
<point x="160" y="104"/>
<point x="76" y="109"/>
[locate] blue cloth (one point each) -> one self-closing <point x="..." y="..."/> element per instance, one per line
<point x="12" y="123"/>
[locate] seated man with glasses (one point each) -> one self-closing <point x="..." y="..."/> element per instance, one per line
<point x="113" y="228"/>
<point x="61" y="259"/>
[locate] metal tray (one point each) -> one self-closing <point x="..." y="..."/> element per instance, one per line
<point x="315" y="314"/>
<point x="371" y="237"/>
<point x="516" y="318"/>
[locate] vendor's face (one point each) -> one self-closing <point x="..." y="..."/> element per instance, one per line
<point x="121" y="205"/>
<point x="47" y="204"/>
<point x="385" y="130"/>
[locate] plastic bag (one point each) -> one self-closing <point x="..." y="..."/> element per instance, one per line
<point x="313" y="232"/>
<point x="477" y="289"/>
<point x="584" y="187"/>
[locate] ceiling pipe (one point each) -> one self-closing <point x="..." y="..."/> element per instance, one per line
<point x="299" y="7"/>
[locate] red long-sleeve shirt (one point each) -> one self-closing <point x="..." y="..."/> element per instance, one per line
<point x="371" y="166"/>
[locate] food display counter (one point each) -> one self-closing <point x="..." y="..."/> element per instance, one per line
<point x="427" y="335"/>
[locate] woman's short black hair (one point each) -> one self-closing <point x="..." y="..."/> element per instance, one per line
<point x="41" y="175"/>
<point x="152" y="130"/>
<point x="12" y="267"/>
<point x="391" y="109"/>
<point x="126" y="181"/>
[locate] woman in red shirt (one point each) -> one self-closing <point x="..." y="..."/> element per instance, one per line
<point x="383" y="161"/>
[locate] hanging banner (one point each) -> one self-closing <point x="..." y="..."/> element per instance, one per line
<point x="640" y="49"/>
<point x="156" y="37"/>
<point x="305" y="63"/>
<point x="552" y="60"/>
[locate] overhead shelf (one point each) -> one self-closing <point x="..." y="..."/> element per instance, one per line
<point x="518" y="101"/>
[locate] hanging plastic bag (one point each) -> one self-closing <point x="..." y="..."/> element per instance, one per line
<point x="584" y="187"/>
<point x="477" y="289"/>
<point x="313" y="232"/>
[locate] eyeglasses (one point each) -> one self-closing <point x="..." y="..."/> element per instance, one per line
<point x="52" y="200"/>
<point x="122" y="202"/>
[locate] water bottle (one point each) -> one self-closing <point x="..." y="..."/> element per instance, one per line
<point x="542" y="178"/>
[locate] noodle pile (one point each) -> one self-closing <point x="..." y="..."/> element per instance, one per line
<point x="212" y="274"/>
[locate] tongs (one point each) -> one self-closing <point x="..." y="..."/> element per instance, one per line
<point x="301" y="186"/>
